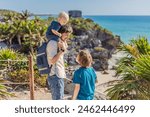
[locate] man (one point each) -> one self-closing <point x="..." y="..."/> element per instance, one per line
<point x="55" y="55"/>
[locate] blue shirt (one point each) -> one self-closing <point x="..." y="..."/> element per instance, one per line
<point x="86" y="77"/>
<point x="49" y="34"/>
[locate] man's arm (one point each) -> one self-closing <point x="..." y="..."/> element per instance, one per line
<point x="63" y="47"/>
<point x="56" y="57"/>
<point x="52" y="54"/>
<point x="76" y="91"/>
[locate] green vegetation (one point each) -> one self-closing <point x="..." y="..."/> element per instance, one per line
<point x="133" y="71"/>
<point x="22" y="75"/>
<point x="17" y="71"/>
<point x="88" y="24"/>
<point x="85" y="24"/>
<point x="4" y="12"/>
<point x="9" y="54"/>
<point x="3" y="91"/>
<point x="40" y="80"/>
<point x="29" y="33"/>
<point x="6" y="54"/>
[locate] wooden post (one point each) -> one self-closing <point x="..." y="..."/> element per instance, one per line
<point x="31" y="77"/>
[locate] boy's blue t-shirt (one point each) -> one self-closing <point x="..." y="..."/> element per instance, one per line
<point x="86" y="77"/>
<point x="49" y="34"/>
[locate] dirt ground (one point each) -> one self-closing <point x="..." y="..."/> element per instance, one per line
<point x="44" y="94"/>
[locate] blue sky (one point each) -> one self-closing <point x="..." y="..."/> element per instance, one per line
<point x="88" y="7"/>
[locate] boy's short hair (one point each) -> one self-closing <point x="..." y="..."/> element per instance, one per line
<point x="64" y="15"/>
<point x="85" y="58"/>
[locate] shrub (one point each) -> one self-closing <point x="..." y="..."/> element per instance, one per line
<point x="133" y="71"/>
<point x="19" y="76"/>
<point x="22" y="75"/>
<point x="7" y="54"/>
<point x="85" y="24"/>
<point x="40" y="80"/>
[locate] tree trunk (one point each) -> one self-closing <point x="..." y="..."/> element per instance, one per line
<point x="19" y="39"/>
<point x="10" y="40"/>
<point x="31" y="50"/>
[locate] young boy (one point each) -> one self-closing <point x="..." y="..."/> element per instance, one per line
<point x="84" y="78"/>
<point x="52" y="31"/>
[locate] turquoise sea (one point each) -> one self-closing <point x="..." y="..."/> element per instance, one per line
<point x="127" y="27"/>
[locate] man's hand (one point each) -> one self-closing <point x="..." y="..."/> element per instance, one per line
<point x="62" y="46"/>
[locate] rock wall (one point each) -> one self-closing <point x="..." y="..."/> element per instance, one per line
<point x="100" y="43"/>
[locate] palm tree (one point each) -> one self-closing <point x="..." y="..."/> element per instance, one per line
<point x="28" y="32"/>
<point x="4" y="31"/>
<point x="25" y="15"/>
<point x="34" y="33"/>
<point x="133" y="71"/>
<point x="12" y="21"/>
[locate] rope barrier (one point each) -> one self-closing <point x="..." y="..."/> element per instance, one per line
<point x="68" y="79"/>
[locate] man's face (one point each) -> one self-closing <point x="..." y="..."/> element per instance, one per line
<point x="65" y="36"/>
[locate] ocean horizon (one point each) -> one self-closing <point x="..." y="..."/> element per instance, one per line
<point x="127" y="27"/>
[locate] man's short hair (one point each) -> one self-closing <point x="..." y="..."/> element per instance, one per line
<point x="66" y="29"/>
<point x="64" y="15"/>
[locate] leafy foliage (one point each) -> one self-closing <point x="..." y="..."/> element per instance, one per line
<point x="86" y="24"/>
<point x="6" y="54"/>
<point x="133" y="71"/>
<point x="5" y="11"/>
<point x="28" y="32"/>
<point x="4" y="92"/>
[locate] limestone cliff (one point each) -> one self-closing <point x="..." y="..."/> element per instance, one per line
<point x="99" y="41"/>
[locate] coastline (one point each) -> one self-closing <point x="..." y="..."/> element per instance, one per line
<point x="126" y="26"/>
